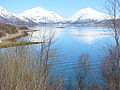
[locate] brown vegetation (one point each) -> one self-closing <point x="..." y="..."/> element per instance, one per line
<point x="23" y="28"/>
<point x="6" y="29"/>
<point x="110" y="69"/>
<point x="13" y="37"/>
<point x="13" y="44"/>
<point x="20" y="72"/>
<point x="22" y="68"/>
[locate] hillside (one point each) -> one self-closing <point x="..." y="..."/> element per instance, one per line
<point x="7" y="29"/>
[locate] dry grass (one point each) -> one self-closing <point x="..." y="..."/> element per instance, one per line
<point x="19" y="73"/>
<point x="20" y="70"/>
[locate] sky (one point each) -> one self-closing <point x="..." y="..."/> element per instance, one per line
<point x="65" y="8"/>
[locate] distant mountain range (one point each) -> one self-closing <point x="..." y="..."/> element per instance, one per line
<point x="38" y="15"/>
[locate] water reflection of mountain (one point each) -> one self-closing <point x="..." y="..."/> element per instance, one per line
<point x="89" y="35"/>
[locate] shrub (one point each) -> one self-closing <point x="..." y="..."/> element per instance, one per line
<point x="23" y="28"/>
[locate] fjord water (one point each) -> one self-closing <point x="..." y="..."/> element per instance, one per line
<point x="72" y="42"/>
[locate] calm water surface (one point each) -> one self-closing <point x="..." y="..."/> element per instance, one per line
<point x="77" y="40"/>
<point x="74" y="41"/>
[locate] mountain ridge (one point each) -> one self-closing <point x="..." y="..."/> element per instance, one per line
<point x="39" y="15"/>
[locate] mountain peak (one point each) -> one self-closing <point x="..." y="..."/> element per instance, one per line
<point x="5" y="13"/>
<point x="1" y="8"/>
<point x="87" y="9"/>
<point x="34" y="10"/>
<point x="41" y="15"/>
<point x="37" y="8"/>
<point x="89" y="14"/>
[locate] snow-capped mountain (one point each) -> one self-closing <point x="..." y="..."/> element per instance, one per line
<point x="11" y="18"/>
<point x="6" y="16"/>
<point x="89" y="14"/>
<point x="40" y="15"/>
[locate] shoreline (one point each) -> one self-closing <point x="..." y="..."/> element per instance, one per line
<point x="13" y="44"/>
<point x="12" y="37"/>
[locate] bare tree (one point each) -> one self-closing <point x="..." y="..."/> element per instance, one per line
<point x="110" y="69"/>
<point x="111" y="64"/>
<point x="113" y="23"/>
<point x="47" y="58"/>
<point x="82" y="70"/>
